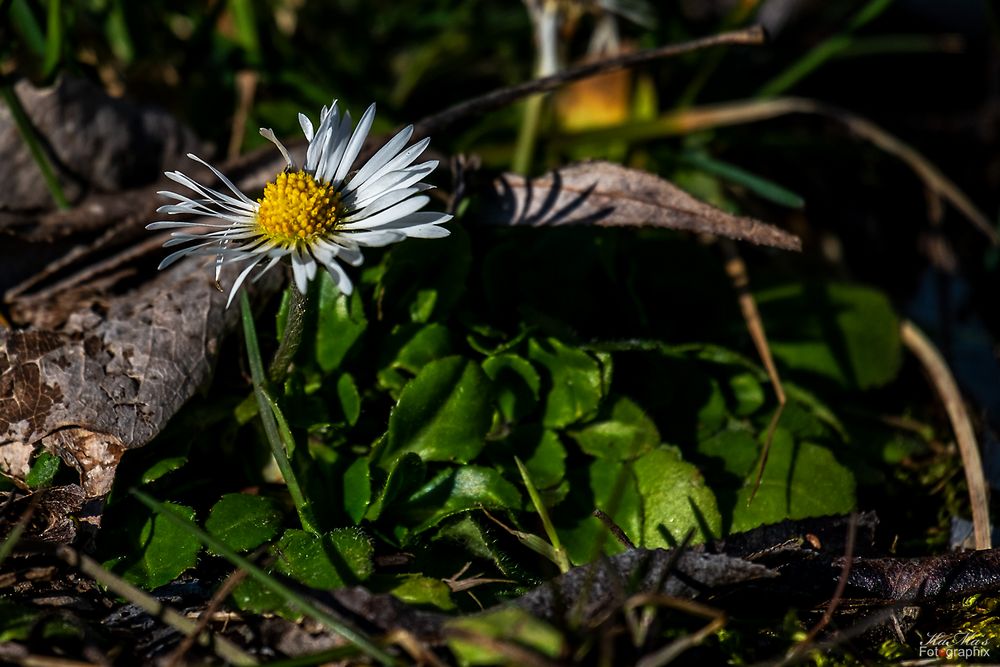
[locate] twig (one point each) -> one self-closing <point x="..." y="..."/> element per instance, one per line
<point x="838" y="593"/>
<point x="205" y="617"/>
<point x="614" y="528"/>
<point x="224" y="648"/>
<point x="736" y="269"/>
<point x="500" y="98"/>
<point x="944" y="382"/>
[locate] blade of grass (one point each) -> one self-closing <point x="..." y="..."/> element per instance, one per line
<point x="687" y="121"/>
<point x="224" y="648"/>
<point x="767" y="189"/>
<point x="823" y="51"/>
<point x="290" y="597"/>
<point x="53" y="39"/>
<point x="278" y="436"/>
<point x="28" y="27"/>
<point x="31" y="140"/>
<point x="246" y="29"/>
<point x="550" y="530"/>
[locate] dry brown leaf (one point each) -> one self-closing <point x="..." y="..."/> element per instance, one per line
<point x="610" y="195"/>
<point x="108" y="382"/>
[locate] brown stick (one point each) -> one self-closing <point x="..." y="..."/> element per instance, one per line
<point x="944" y="382"/>
<point x="205" y="617"/>
<point x="736" y="269"/>
<point x="845" y="571"/>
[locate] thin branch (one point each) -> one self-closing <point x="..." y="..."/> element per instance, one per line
<point x="736" y="269"/>
<point x="498" y="99"/>
<point x="800" y="649"/>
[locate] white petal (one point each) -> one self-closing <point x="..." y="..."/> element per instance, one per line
<point x="385" y="201"/>
<point x="317" y="145"/>
<point x="384" y="154"/>
<point x="397" y="163"/>
<point x="340" y="278"/>
<point x="268" y="134"/>
<point x="334" y="149"/>
<point x="174" y="256"/>
<point x="240" y="278"/>
<point x="378" y="238"/>
<point x="300" y="271"/>
<point x="426" y="232"/>
<point x="222" y="177"/>
<point x="400" y="210"/>
<point x="306" y="125"/>
<point x="393" y="180"/>
<point x="355" y="144"/>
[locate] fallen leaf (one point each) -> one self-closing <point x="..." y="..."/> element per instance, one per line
<point x="609" y="195"/>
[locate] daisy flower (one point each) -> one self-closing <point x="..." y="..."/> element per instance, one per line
<point x="319" y="214"/>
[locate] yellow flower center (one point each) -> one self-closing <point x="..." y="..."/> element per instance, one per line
<point x="297" y="208"/>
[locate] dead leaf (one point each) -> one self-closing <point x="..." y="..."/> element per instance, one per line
<point x="95" y="142"/>
<point x="109" y="381"/>
<point x="609" y="195"/>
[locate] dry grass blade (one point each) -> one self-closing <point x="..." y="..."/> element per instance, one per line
<point x="224" y="648"/>
<point x="672" y="650"/>
<point x="514" y="653"/>
<point x="687" y="121"/>
<point x="944" y="382"/>
<point x="736" y="269"/>
<point x="610" y="195"/>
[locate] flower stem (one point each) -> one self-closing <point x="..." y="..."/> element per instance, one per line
<point x="297" y="310"/>
<point x="275" y="427"/>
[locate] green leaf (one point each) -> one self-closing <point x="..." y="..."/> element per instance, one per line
<point x="340" y="322"/>
<point x="845" y="333"/>
<point x="357" y="489"/>
<point x="539" y="448"/>
<point x="350" y="398"/>
<point x="423" y="280"/>
<point x="43" y="470"/>
<point x="801" y="480"/>
<point x="747" y="394"/>
<point x="405" y="476"/>
<point x="244" y="522"/>
<point x="409" y="349"/>
<point x="675" y="500"/>
<point x="517" y="384"/>
<point x="333" y="560"/>
<point x="458" y="490"/>
<point x="443" y="414"/>
<point x="162" y="551"/>
<point x="576" y="382"/>
<point x="627" y="433"/>
<point x="425" y="592"/>
<point x="508" y="625"/>
<point x="162" y="467"/>
<point x="17" y="621"/>
<point x="610" y="488"/>
<point x="736" y="451"/>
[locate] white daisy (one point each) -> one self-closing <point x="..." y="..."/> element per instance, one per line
<point x="319" y="214"/>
